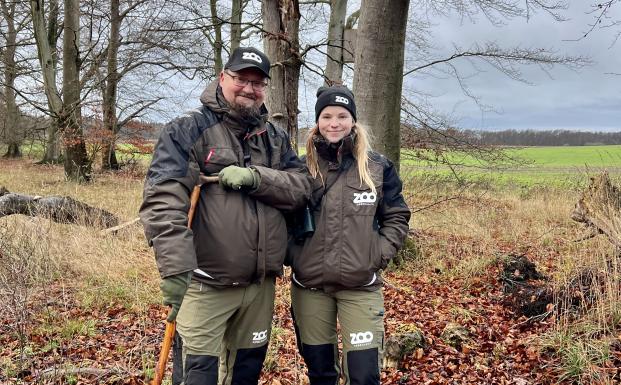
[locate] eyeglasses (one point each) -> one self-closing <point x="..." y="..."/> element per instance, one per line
<point x="257" y="85"/>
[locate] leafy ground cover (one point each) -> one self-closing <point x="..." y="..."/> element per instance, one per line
<point x="83" y="308"/>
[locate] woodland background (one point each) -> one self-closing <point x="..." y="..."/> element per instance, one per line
<point x="502" y="281"/>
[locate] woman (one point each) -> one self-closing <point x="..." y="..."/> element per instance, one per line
<point x="361" y="220"/>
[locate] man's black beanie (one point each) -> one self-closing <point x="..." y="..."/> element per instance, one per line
<point x="335" y="96"/>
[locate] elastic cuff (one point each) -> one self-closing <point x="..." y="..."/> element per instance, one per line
<point x="256" y="176"/>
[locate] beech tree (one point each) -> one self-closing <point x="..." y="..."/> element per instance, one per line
<point x="16" y="20"/>
<point x="378" y="76"/>
<point x="281" y="23"/>
<point x="77" y="164"/>
<point x="336" y="35"/>
<point x="46" y="35"/>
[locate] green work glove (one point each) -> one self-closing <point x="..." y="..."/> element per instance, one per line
<point x="237" y="177"/>
<point x="173" y="290"/>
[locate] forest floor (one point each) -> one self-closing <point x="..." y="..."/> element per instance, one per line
<point x="80" y="307"/>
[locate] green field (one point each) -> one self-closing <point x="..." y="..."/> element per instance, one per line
<point x="572" y="156"/>
<point x="525" y="167"/>
<point x="567" y="166"/>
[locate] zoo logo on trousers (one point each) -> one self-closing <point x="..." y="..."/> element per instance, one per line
<point x="252" y="56"/>
<point x="258" y="337"/>
<point x="361" y="338"/>
<point x="365" y="198"/>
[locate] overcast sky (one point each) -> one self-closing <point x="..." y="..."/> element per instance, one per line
<point x="584" y="99"/>
<point x="587" y="99"/>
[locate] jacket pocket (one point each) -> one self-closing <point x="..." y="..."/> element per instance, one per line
<point x="360" y="251"/>
<point x="217" y="158"/>
<point x="376" y="257"/>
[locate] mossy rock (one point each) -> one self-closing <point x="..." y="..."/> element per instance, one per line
<point x="455" y="335"/>
<point x="408" y="339"/>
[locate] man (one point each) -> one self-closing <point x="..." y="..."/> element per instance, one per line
<point x="220" y="275"/>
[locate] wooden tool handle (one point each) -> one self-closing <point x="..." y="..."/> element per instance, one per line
<point x="164" y="352"/>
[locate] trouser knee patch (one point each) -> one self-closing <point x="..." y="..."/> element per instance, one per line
<point x="248" y="364"/>
<point x="363" y="367"/>
<point x="201" y="370"/>
<point x="321" y="364"/>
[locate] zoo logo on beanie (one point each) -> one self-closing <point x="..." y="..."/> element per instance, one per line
<point x="335" y="96"/>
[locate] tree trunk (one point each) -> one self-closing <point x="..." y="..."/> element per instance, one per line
<point x="336" y="30"/>
<point x="77" y="165"/>
<point x="45" y="50"/>
<point x="236" y="18"/>
<point x="11" y="118"/>
<point x="13" y="151"/>
<point x="109" y="161"/>
<point x="53" y="152"/>
<point x="281" y="20"/>
<point x="378" y="74"/>
<point x="217" y="44"/>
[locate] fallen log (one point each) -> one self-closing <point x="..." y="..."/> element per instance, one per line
<point x="599" y="208"/>
<point x="60" y="209"/>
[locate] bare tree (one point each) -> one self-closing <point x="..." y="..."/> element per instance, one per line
<point x="378" y="76"/>
<point x="135" y="41"/>
<point x="17" y="18"/>
<point x="109" y="83"/>
<point x="603" y="18"/>
<point x="281" y="41"/>
<point x="336" y="32"/>
<point x="216" y="42"/>
<point x="237" y="8"/>
<point x="77" y="165"/>
<point x="45" y="32"/>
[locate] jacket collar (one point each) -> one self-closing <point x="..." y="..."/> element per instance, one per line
<point x="335" y="152"/>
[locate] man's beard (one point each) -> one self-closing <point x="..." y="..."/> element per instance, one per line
<point x="247" y="112"/>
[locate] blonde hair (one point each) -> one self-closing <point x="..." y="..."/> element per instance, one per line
<point x="362" y="146"/>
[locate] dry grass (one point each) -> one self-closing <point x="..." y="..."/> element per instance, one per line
<point x="80" y="254"/>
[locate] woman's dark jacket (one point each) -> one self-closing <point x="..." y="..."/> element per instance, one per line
<point x="356" y="232"/>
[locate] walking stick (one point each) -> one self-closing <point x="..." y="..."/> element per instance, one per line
<point x="169" y="333"/>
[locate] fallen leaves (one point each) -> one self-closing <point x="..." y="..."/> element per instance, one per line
<point x="496" y="350"/>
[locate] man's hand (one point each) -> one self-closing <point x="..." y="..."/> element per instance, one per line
<point x="237" y="177"/>
<point x="173" y="290"/>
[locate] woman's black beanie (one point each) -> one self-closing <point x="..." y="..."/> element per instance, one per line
<point x="335" y="96"/>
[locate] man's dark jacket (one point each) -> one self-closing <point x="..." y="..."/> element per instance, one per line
<point x="237" y="237"/>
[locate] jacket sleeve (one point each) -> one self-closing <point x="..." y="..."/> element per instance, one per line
<point x="166" y="198"/>
<point x="286" y="189"/>
<point x="393" y="214"/>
